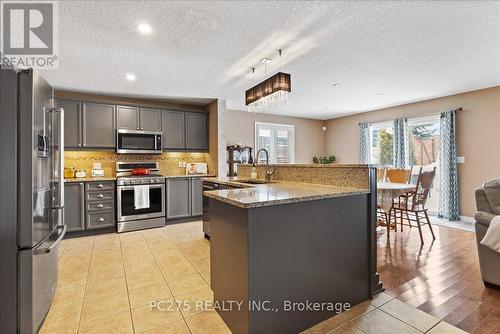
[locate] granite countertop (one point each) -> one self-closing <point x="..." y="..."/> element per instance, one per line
<point x="113" y="178"/>
<point x="90" y="179"/>
<point x="275" y="193"/>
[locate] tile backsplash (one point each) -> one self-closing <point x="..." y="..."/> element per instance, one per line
<point x="169" y="161"/>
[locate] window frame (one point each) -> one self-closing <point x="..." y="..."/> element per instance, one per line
<point x="377" y="126"/>
<point x="290" y="128"/>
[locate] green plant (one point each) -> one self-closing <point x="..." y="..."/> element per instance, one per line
<point x="386" y="142"/>
<point x="324" y="159"/>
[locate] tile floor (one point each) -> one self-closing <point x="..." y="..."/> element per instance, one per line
<point x="106" y="284"/>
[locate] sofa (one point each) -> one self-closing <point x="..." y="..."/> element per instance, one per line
<point x="488" y="206"/>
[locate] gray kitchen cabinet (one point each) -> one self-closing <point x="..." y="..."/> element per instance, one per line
<point x="98" y="125"/>
<point x="74" y="206"/>
<point x="127" y="118"/>
<point x="72" y="121"/>
<point x="150" y="119"/>
<point x="99" y="205"/>
<point x="196" y="196"/>
<point x="172" y="123"/>
<point x="196" y="131"/>
<point x="178" y="198"/>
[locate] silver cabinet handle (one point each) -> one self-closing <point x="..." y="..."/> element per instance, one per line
<point x="100" y="205"/>
<point x="100" y="185"/>
<point x="100" y="219"/>
<point x="100" y="196"/>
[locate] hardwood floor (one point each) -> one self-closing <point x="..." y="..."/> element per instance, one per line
<point x="441" y="277"/>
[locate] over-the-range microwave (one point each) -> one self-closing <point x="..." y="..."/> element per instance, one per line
<point x="138" y="141"/>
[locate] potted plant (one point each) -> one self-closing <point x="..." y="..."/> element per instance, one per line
<point x="324" y="159"/>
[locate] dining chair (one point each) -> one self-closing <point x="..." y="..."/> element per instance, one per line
<point x="412" y="204"/>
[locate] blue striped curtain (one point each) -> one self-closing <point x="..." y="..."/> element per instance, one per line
<point x="448" y="198"/>
<point x="364" y="143"/>
<point x="400" y="144"/>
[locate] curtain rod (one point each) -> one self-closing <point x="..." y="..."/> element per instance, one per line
<point x="433" y="114"/>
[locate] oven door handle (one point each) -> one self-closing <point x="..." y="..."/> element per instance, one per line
<point x="154" y="186"/>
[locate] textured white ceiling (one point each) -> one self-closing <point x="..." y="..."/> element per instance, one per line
<point x="408" y="51"/>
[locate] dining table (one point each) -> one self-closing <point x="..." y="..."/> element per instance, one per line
<point x="386" y="192"/>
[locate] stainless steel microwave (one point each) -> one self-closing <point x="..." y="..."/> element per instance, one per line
<point x="138" y="141"/>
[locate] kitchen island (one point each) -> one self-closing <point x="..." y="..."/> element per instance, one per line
<point x="288" y="255"/>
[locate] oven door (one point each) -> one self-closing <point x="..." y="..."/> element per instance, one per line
<point x="132" y="141"/>
<point x="125" y="203"/>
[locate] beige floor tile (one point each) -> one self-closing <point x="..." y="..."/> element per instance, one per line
<point x="144" y="295"/>
<point x="68" y="267"/>
<point x="357" y="311"/>
<point x="64" y="318"/>
<point x="176" y="327"/>
<point x="347" y="329"/>
<point x="106" y="261"/>
<point x="170" y="258"/>
<point x="178" y="271"/>
<point x="207" y="323"/>
<point x="201" y="264"/>
<point x="70" y="279"/>
<point x="106" y="270"/>
<point x="381" y="299"/>
<point x="117" y="323"/>
<point x="107" y="244"/>
<point x="328" y="325"/>
<point x="445" y="328"/>
<point x="378" y="322"/>
<point x="186" y="284"/>
<point x="139" y="279"/>
<point x="195" y="250"/>
<point x="68" y="295"/>
<point x="206" y="276"/>
<point x="115" y="252"/>
<point x="141" y="257"/>
<point x="409" y="314"/>
<point x="99" y="288"/>
<point x="96" y="307"/>
<point x="137" y="267"/>
<point x="146" y="318"/>
<point x="195" y="301"/>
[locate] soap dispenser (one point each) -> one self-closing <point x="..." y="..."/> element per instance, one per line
<point x="253" y="173"/>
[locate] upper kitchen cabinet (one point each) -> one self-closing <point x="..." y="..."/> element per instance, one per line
<point x="196" y="131"/>
<point x="72" y="120"/>
<point x="98" y="125"/>
<point x="127" y="118"/>
<point x="173" y="126"/>
<point x="150" y="119"/>
<point x="132" y="118"/>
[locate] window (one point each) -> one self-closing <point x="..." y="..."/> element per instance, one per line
<point x="381" y="144"/>
<point x="277" y="139"/>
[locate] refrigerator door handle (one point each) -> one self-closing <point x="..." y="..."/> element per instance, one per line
<point x="58" y="156"/>
<point x="51" y="247"/>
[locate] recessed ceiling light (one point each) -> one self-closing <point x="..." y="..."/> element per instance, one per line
<point x="335" y="85"/>
<point x="130" y="77"/>
<point x="265" y="60"/>
<point x="144" y="28"/>
<point x="380" y="94"/>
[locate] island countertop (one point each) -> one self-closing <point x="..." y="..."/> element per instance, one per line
<point x="275" y="193"/>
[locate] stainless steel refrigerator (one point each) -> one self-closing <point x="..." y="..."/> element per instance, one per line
<point x="32" y="199"/>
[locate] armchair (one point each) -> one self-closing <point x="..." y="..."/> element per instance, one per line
<point x="488" y="206"/>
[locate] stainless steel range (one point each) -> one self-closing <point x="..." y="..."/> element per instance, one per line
<point x="140" y="198"/>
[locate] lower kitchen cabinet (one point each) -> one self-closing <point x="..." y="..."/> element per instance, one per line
<point x="74" y="206"/>
<point x="178" y="198"/>
<point x="89" y="205"/>
<point x="184" y="197"/>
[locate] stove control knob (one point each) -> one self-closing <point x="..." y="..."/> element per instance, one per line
<point x="151" y="181"/>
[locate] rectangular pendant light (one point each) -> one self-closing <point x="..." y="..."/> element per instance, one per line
<point x="269" y="92"/>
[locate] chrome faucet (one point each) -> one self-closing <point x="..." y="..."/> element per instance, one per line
<point x="268" y="173"/>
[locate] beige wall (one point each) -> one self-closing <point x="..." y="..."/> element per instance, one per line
<point x="309" y="137"/>
<point x="478" y="136"/>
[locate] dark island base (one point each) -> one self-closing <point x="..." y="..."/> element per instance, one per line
<point x="317" y="251"/>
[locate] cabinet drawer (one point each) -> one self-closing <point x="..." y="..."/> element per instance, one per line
<point x="98" y="186"/>
<point x="100" y="219"/>
<point x="105" y="195"/>
<point x="100" y="206"/>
